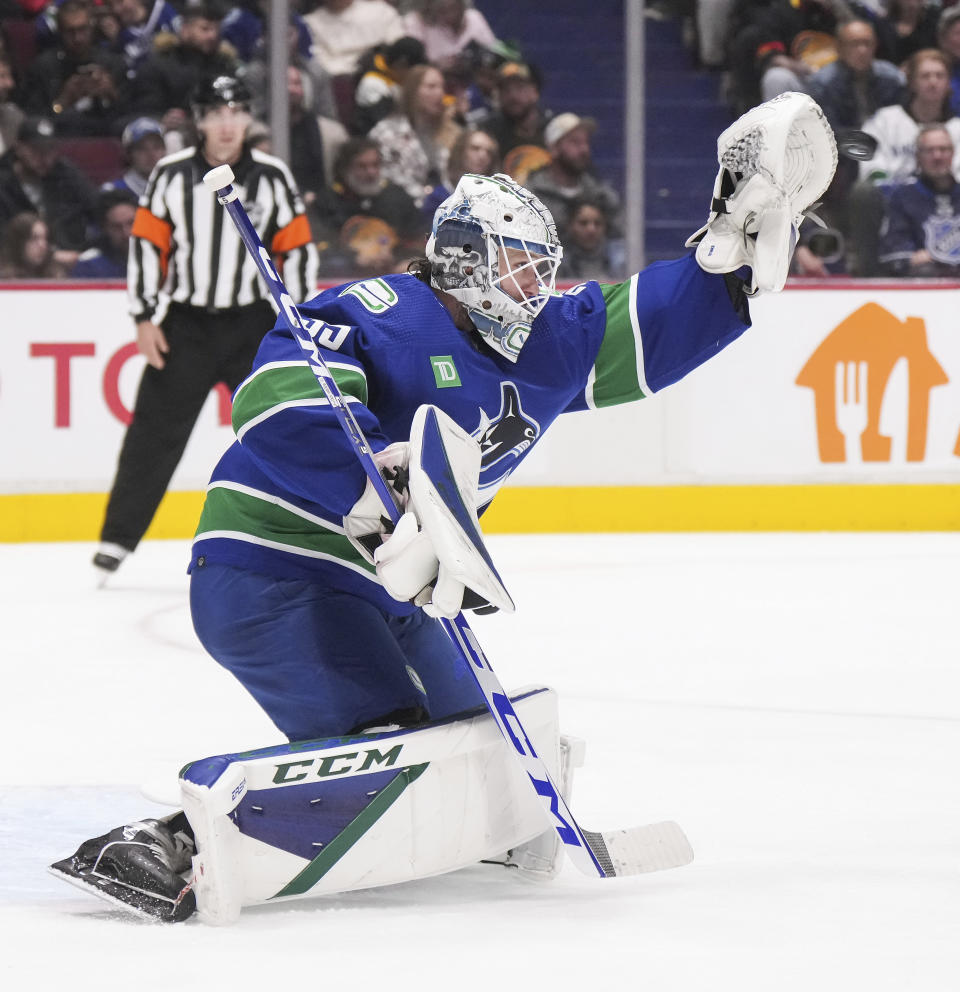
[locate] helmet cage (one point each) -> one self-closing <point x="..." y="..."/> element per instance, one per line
<point x="487" y="234"/>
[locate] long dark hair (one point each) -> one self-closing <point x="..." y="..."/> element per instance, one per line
<point x="16" y="234"/>
<point x="421" y="268"/>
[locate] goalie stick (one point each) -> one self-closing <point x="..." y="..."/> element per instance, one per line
<point x="651" y="847"/>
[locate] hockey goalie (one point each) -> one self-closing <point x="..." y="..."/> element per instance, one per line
<point x="336" y="616"/>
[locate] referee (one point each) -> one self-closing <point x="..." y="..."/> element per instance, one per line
<point x="199" y="304"/>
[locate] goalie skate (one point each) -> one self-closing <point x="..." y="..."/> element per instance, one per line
<point x="137" y="868"/>
<point x="776" y="161"/>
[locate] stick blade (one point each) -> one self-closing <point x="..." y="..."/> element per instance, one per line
<point x="638" y="850"/>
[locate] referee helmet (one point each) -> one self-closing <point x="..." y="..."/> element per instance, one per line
<point x="221" y="91"/>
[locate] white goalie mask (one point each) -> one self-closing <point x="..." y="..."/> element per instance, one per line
<point x="489" y="236"/>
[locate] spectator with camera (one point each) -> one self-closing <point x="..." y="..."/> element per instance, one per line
<point x="921" y="229"/>
<point x="80" y="86"/>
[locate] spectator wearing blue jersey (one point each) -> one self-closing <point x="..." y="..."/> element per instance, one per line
<point x="144" y="146"/>
<point x="107" y="259"/>
<point x="921" y="229"/>
<point x="140" y="21"/>
<point x="244" y="27"/>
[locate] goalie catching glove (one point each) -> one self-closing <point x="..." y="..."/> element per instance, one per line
<point x="776" y="161"/>
<point x="435" y="557"/>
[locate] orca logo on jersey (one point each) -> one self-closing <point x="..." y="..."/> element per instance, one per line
<point x="511" y="432"/>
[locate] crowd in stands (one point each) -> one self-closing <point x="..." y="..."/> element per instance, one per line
<point x="390" y="102"/>
<point x="890" y="68"/>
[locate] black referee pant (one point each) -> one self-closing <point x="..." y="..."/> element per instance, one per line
<point x="206" y="347"/>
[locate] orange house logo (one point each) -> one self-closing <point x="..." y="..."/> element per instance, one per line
<point x="871" y="379"/>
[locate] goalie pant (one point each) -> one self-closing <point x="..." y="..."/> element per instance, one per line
<point x="279" y="595"/>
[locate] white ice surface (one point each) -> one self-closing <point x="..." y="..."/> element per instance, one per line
<point x="792" y="700"/>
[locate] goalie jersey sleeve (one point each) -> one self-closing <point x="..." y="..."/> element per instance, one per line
<point x="659" y="325"/>
<point x="278" y="496"/>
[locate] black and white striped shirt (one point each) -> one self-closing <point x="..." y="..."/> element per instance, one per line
<point x="185" y="249"/>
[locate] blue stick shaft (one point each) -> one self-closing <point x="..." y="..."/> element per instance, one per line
<point x="331" y="391"/>
<point x="576" y="843"/>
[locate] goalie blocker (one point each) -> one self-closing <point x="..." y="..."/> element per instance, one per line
<point x="435" y="557"/>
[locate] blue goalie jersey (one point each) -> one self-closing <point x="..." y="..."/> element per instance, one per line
<point x="277" y="498"/>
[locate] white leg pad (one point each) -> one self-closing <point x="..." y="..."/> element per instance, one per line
<point x="318" y="817"/>
<point x="541" y="858"/>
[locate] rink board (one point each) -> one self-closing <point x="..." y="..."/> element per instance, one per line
<point x="839" y="410"/>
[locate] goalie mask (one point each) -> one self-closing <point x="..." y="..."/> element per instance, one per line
<point x="492" y="240"/>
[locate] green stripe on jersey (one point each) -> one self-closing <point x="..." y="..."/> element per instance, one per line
<point x="274" y="385"/>
<point x="617" y="373"/>
<point x="260" y="520"/>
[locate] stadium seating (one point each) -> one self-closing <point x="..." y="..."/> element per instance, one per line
<point x="99" y="159"/>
